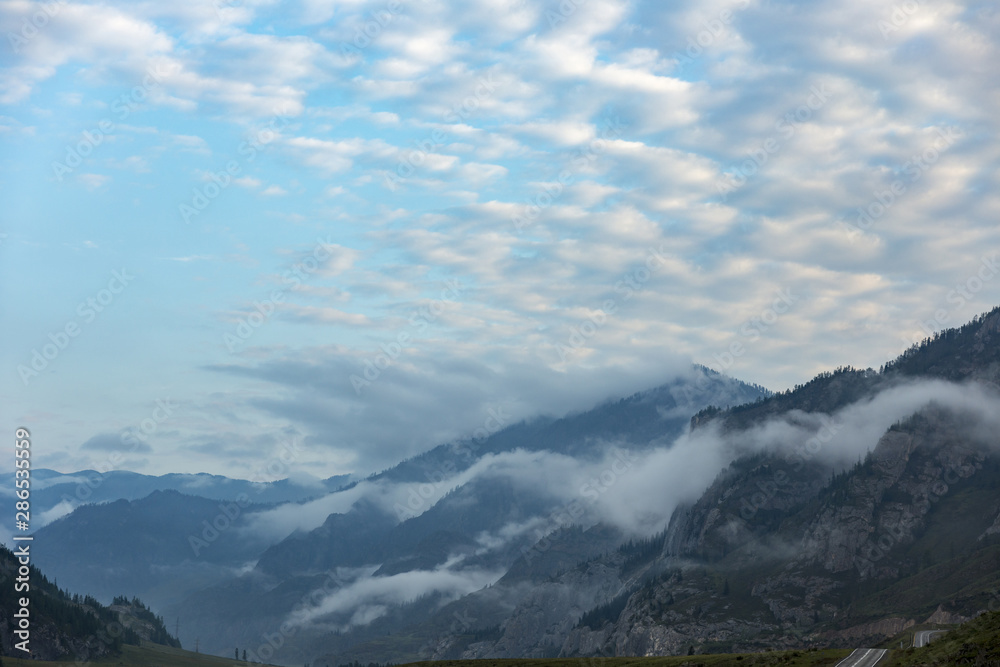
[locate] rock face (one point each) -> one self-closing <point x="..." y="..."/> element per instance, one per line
<point x="61" y="627"/>
<point x="538" y="626"/>
<point x="48" y="642"/>
<point x="783" y="550"/>
<point x="885" y="627"/>
<point x="790" y="546"/>
<point x="767" y="560"/>
<point x="860" y="527"/>
<point x="946" y="617"/>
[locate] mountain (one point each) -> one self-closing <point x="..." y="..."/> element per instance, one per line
<point x="460" y="514"/>
<point x="793" y="545"/>
<point x="55" y="494"/>
<point x="641" y="422"/>
<point x="705" y="515"/>
<point x="160" y="547"/>
<point x="62" y="626"/>
<point x="974" y="643"/>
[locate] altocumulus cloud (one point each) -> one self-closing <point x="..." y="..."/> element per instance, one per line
<point x="695" y="91"/>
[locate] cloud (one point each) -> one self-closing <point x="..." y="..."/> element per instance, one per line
<point x="314" y="315"/>
<point x="529" y="471"/>
<point x="191" y="143"/>
<point x="363" y="601"/>
<point x="190" y="258"/>
<point x="632" y="487"/>
<point x="113" y="442"/>
<point x="453" y="393"/>
<point x="60" y="510"/>
<point x="93" y="181"/>
<point x="247" y="182"/>
<point x="642" y="499"/>
<point x="543" y="475"/>
<point x="280" y="522"/>
<point x="613" y="127"/>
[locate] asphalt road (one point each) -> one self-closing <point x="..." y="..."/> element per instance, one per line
<point x="923" y="637"/>
<point x="863" y="657"/>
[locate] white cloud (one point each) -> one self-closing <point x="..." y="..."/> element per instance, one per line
<point x="365" y="600"/>
<point x="93" y="181"/>
<point x="516" y="104"/>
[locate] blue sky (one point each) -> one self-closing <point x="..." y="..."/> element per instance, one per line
<point x="369" y="227"/>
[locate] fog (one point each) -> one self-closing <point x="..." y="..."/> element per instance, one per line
<point x="634" y="490"/>
<point x="369" y="598"/>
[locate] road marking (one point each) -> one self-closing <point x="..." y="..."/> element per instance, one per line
<point x="861" y="657"/>
<point x="923" y="637"/>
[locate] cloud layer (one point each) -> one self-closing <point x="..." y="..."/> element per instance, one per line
<point x="399" y="217"/>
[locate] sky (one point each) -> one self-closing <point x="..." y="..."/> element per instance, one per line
<point x="312" y="238"/>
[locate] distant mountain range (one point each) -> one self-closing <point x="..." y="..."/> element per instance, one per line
<point x="703" y="515"/>
<point x="56" y="494"/>
<point x="461" y="512"/>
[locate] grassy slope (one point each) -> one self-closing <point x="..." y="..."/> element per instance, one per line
<point x="784" y="658"/>
<point x="974" y="643"/>
<point x="162" y="656"/>
<point x="133" y="656"/>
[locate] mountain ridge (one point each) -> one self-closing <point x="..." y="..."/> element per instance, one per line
<point x="836" y="511"/>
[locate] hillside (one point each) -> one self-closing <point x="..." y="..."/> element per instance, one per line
<point x="836" y="514"/>
<point x="792" y="545"/>
<point x="159" y="547"/>
<point x="786" y="549"/>
<point x="451" y="525"/>
<point x="70" y="626"/>
<point x="974" y="643"/>
<point x="147" y="655"/>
